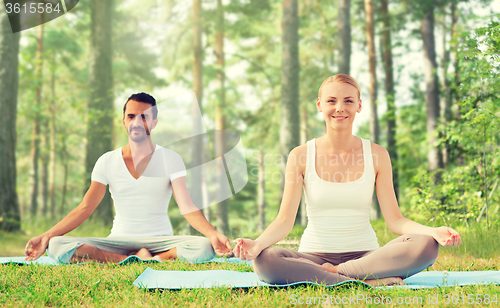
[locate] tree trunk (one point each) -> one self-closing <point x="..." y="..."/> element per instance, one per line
<point x="261" y="189"/>
<point x="446" y="98"/>
<point x="45" y="167"/>
<point x="456" y="77"/>
<point x="64" y="154"/>
<point x="35" y="136"/>
<point x="372" y="64"/>
<point x="10" y="219"/>
<point x="344" y="38"/>
<point x="100" y="106"/>
<point x="222" y="215"/>
<point x="52" y="163"/>
<point x="197" y="107"/>
<point x="290" y="120"/>
<point x="389" y="93"/>
<point x="303" y="140"/>
<point x="432" y="88"/>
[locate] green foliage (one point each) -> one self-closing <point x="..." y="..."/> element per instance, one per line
<point x="465" y="186"/>
<point x="457" y="197"/>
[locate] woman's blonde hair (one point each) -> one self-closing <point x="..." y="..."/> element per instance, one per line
<point x="341" y="78"/>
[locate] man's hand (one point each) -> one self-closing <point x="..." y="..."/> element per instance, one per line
<point x="221" y="245"/>
<point x="36" y="247"/>
<point x="446" y="236"/>
<point x="247" y="249"/>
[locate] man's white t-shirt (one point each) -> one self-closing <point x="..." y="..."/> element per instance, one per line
<point x="141" y="205"/>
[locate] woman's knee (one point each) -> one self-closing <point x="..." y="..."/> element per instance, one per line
<point x="267" y="262"/>
<point x="426" y="247"/>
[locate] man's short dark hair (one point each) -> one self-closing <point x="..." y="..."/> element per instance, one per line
<point x="143" y="98"/>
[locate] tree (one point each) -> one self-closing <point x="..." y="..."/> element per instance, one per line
<point x="35" y="136"/>
<point x="372" y="64"/>
<point x="10" y="219"/>
<point x="434" y="157"/>
<point x="261" y="188"/>
<point x="100" y="105"/>
<point x="222" y="218"/>
<point x="197" y="105"/>
<point x="389" y="92"/>
<point x="290" y="120"/>
<point x="344" y="41"/>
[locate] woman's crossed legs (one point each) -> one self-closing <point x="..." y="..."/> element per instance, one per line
<point x="401" y="257"/>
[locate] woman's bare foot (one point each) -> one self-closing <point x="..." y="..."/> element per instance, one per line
<point x="325" y="266"/>
<point x="388" y="281"/>
<point x="329" y="267"/>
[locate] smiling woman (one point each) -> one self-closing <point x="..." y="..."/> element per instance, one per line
<point x="339" y="242"/>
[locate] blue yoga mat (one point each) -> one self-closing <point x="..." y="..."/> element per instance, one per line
<point x="45" y="260"/>
<point x="153" y="279"/>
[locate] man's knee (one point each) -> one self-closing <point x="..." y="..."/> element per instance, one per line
<point x="198" y="249"/>
<point x="206" y="251"/>
<point x="61" y="248"/>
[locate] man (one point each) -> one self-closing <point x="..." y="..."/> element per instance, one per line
<point x="141" y="177"/>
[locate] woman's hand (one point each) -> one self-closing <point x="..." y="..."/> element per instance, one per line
<point x="446" y="236"/>
<point x="36" y="247"/>
<point x="246" y="249"/>
<point x="221" y="245"/>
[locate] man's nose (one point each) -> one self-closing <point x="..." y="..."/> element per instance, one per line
<point x="137" y="121"/>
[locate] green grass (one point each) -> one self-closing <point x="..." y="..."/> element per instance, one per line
<point x="110" y="285"/>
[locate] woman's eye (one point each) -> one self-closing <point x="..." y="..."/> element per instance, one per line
<point x="331" y="101"/>
<point x="348" y="101"/>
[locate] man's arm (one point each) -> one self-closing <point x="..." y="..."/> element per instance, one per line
<point x="37" y="245"/>
<point x="196" y="218"/>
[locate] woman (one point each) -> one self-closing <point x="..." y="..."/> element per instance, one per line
<point x="338" y="172"/>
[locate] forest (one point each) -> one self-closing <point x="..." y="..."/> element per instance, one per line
<point x="428" y="70"/>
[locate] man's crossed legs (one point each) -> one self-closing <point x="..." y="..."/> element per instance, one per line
<point x="115" y="249"/>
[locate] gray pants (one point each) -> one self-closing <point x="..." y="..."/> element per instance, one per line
<point x="402" y="257"/>
<point x="191" y="248"/>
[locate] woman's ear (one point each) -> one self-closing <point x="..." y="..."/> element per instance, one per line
<point x="318" y="104"/>
<point x="359" y="107"/>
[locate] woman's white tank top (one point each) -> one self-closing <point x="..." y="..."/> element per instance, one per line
<point x="338" y="213"/>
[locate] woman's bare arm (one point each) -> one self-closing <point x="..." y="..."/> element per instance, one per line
<point x="395" y="221"/>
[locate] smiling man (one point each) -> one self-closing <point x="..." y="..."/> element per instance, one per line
<point x="142" y="177"/>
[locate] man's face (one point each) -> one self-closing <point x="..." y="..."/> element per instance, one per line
<point x="138" y="120"/>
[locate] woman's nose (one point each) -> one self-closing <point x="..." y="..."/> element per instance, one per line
<point x="339" y="107"/>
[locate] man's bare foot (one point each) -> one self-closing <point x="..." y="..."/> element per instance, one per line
<point x="388" y="281"/>
<point x="158" y="258"/>
<point x="144" y="254"/>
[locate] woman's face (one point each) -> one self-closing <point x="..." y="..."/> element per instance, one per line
<point x="339" y="104"/>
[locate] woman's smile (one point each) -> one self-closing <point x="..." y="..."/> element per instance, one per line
<point x="340" y="118"/>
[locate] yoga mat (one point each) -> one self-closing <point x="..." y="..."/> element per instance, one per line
<point x="153" y="279"/>
<point x="45" y="260"/>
